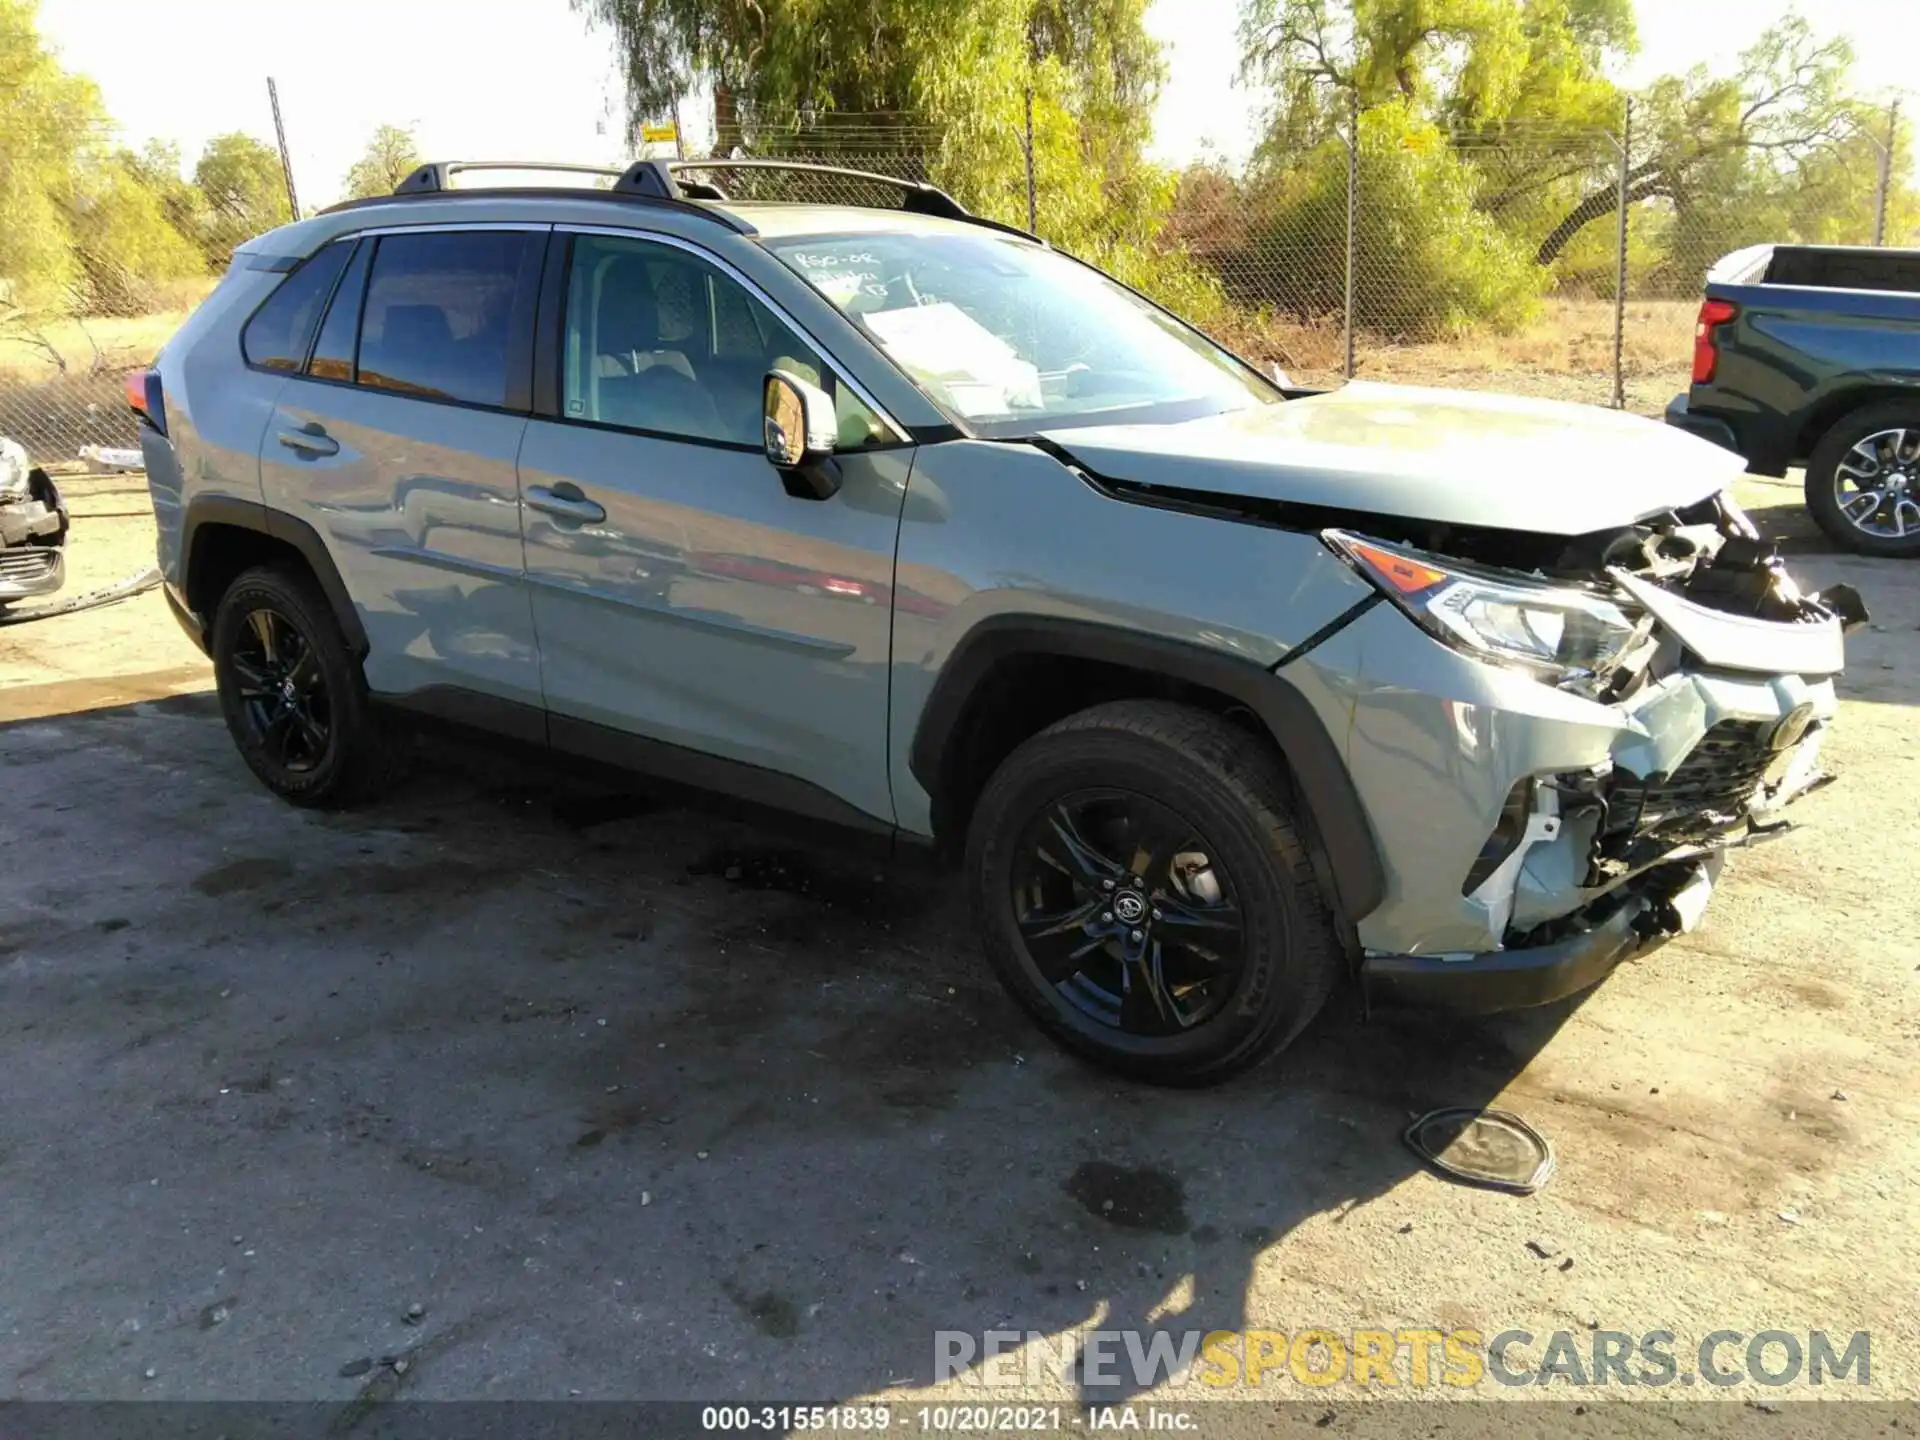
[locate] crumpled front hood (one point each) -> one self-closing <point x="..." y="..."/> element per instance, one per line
<point x="1458" y="457"/>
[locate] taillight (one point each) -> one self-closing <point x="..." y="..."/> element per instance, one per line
<point x="146" y="397"/>
<point x="1706" y="344"/>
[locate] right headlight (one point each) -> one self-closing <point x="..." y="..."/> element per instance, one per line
<point x="1554" y="632"/>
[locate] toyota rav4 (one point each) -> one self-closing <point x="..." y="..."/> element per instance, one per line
<point x="1219" y="694"/>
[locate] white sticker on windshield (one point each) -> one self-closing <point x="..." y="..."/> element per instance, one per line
<point x="979" y="371"/>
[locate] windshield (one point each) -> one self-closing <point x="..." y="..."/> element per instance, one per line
<point x="1014" y="338"/>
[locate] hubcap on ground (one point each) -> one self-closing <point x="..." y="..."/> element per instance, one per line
<point x="282" y="694"/>
<point x="1125" y="912"/>
<point x="1877" y="484"/>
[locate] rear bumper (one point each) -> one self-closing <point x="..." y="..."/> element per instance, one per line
<point x="1541" y="974"/>
<point x="1706" y="427"/>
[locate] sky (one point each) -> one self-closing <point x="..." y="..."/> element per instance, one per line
<point x="544" y="88"/>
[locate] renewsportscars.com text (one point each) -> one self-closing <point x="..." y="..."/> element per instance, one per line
<point x="1135" y="1360"/>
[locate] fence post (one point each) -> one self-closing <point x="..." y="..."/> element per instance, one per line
<point x="1886" y="174"/>
<point x="1032" y="208"/>
<point x="1353" y="197"/>
<point x="280" y="134"/>
<point x="1620" y="261"/>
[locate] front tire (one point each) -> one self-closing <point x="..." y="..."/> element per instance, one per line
<point x="1863" y="480"/>
<point x="293" y="695"/>
<point x="1143" y="890"/>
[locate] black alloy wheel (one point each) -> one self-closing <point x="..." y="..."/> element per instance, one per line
<point x="1143" y="889"/>
<point x="282" y="691"/>
<point x="294" y="695"/>
<point x="1124" y="911"/>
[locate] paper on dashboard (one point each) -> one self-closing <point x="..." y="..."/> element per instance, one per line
<point x="979" y="371"/>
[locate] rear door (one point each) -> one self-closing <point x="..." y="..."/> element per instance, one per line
<point x="397" y="441"/>
<point x="693" y="615"/>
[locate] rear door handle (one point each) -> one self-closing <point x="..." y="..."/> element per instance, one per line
<point x="565" y="502"/>
<point x="310" y="440"/>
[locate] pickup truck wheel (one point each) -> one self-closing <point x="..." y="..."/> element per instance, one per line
<point x="293" y="695"/>
<point x="1143" y="891"/>
<point x="1863" y="480"/>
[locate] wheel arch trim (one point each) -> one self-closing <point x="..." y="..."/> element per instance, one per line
<point x="1335" y="814"/>
<point x="242" y="514"/>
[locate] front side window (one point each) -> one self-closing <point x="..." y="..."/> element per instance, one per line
<point x="439" y="313"/>
<point x="659" y="340"/>
<point x="1016" y="338"/>
<point x="277" y="336"/>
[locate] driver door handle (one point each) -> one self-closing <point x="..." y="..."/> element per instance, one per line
<point x="565" y="502"/>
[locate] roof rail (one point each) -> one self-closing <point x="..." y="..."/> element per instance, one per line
<point x="435" y="176"/>
<point x="431" y="182"/>
<point x="662" y="178"/>
<point x="659" y="182"/>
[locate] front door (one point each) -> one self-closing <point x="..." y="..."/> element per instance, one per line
<point x="396" y="440"/>
<point x="682" y="597"/>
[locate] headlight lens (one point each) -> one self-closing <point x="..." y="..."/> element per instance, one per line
<point x="13" y="471"/>
<point x="1553" y="632"/>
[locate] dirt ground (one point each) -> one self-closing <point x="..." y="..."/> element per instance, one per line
<point x="633" y="1103"/>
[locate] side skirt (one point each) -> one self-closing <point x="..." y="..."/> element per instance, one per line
<point x="603" y="755"/>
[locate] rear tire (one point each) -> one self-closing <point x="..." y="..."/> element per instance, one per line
<point x="1840" y="479"/>
<point x="294" y="697"/>
<point x="1152" y="808"/>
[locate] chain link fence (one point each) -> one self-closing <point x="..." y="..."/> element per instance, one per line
<point x="57" y="405"/>
<point x="1534" y="259"/>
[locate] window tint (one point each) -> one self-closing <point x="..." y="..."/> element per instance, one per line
<point x="438" y="311"/>
<point x="333" y="351"/>
<point x="659" y="340"/>
<point x="276" y="337"/>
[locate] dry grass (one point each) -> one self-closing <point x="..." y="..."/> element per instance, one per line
<point x="1566" y="353"/>
<point x="78" y="346"/>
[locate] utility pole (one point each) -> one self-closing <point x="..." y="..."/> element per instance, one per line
<point x="280" y="134"/>
<point x="1032" y="194"/>
<point x="1353" y="202"/>
<point x="1886" y="174"/>
<point x="1620" y="262"/>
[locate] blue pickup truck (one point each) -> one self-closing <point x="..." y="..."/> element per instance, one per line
<point x="1810" y="355"/>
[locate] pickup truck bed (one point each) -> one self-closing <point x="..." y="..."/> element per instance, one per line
<point x="1810" y="355"/>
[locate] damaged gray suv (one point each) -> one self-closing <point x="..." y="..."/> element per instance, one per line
<point x="892" y="517"/>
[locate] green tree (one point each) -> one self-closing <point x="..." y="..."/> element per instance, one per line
<point x="48" y="118"/>
<point x="1465" y="62"/>
<point x="244" y="190"/>
<point x="125" y="243"/>
<point x="391" y="155"/>
<point x="933" y="90"/>
<point x="84" y="229"/>
<point x="1714" y="146"/>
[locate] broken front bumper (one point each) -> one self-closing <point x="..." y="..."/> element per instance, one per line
<point x="1532" y="837"/>
<point x="33" y="534"/>
<point x="1634" y="918"/>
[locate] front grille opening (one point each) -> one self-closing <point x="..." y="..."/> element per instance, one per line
<point x="31" y="562"/>
<point x="1707" y="794"/>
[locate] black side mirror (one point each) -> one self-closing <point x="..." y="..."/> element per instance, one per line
<point x="798" y="427"/>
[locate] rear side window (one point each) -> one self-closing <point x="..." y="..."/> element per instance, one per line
<point x="277" y="336"/>
<point x="440" y="312"/>
<point x="333" y="351"/>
